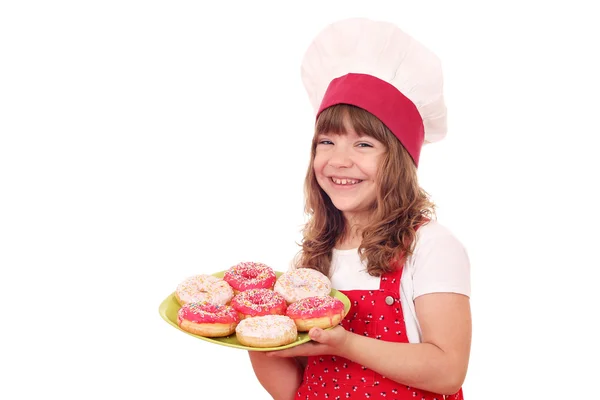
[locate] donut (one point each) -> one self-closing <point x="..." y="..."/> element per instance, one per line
<point x="206" y="319"/>
<point x="266" y="331"/>
<point x="204" y="288"/>
<point x="257" y="302"/>
<point x="250" y="275"/>
<point x="297" y="284"/>
<point x="319" y="311"/>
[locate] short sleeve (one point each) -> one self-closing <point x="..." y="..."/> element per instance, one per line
<point x="440" y="263"/>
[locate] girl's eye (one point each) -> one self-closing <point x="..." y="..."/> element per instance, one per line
<point x="364" y="145"/>
<point x="325" y="142"/>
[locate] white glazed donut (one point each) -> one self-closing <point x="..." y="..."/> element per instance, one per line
<point x="266" y="331"/>
<point x="301" y="283"/>
<point x="204" y="288"/>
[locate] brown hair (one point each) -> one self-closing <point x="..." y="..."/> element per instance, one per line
<point x="400" y="207"/>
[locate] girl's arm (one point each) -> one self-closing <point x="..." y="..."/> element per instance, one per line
<point x="280" y="377"/>
<point x="437" y="364"/>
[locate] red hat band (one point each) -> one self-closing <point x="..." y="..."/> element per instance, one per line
<point x="382" y="100"/>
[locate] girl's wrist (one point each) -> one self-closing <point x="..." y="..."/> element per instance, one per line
<point x="347" y="345"/>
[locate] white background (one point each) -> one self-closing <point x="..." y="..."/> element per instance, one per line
<point x="143" y="142"/>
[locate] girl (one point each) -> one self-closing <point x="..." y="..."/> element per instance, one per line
<point x="372" y="231"/>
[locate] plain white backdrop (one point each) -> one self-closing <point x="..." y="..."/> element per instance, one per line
<point x="145" y="141"/>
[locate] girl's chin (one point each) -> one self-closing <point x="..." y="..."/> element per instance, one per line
<point x="349" y="209"/>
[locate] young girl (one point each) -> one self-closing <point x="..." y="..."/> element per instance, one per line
<point x="372" y="229"/>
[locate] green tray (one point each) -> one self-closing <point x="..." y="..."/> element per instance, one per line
<point x="170" y="306"/>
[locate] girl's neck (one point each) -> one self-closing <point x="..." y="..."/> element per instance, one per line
<point x="352" y="238"/>
<point x="347" y="244"/>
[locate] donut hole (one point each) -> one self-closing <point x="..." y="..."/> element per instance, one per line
<point x="250" y="274"/>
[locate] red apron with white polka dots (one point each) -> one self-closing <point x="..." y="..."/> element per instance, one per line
<point x="373" y="313"/>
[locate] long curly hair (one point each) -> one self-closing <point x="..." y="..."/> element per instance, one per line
<point x="401" y="204"/>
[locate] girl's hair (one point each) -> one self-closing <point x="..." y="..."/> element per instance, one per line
<point x="400" y="207"/>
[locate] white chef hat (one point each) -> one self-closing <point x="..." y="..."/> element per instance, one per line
<point x="376" y="66"/>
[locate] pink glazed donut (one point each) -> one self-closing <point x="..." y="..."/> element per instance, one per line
<point x="257" y="302"/>
<point x="319" y="311"/>
<point x="207" y="319"/>
<point x="250" y="275"/>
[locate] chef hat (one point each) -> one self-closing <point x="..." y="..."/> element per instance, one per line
<point x="376" y="66"/>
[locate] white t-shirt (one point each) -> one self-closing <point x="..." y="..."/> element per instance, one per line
<point x="439" y="264"/>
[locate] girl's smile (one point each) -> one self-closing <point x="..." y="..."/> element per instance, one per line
<point x="347" y="182"/>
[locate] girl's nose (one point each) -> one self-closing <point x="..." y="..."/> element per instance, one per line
<point x="340" y="158"/>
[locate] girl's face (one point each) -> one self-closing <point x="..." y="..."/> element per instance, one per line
<point x="345" y="167"/>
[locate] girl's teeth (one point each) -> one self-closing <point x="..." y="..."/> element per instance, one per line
<point x="345" y="181"/>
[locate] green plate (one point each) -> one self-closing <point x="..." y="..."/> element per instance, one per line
<point x="170" y="306"/>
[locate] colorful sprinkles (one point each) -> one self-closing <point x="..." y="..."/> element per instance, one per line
<point x="255" y="302"/>
<point x="315" y="307"/>
<point x="250" y="275"/>
<point x="207" y="313"/>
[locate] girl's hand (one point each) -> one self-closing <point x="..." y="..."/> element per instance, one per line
<point x="330" y="342"/>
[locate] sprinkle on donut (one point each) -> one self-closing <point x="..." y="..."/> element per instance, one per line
<point x="206" y="319"/>
<point x="266" y="331"/>
<point x="250" y="275"/>
<point x="256" y="302"/>
<point x="319" y="311"/>
<point x="315" y="307"/>
<point x="300" y="283"/>
<point x="207" y="313"/>
<point x="204" y="288"/>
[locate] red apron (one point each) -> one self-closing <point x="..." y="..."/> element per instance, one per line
<point x="373" y="313"/>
